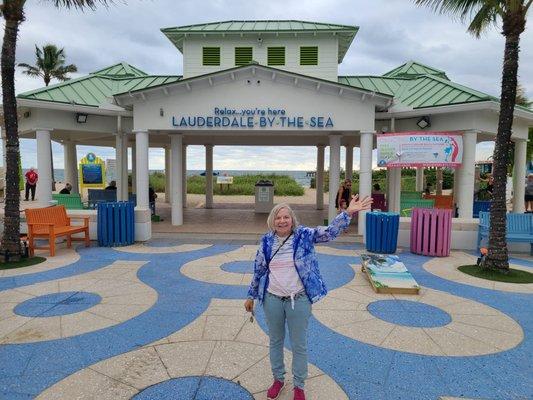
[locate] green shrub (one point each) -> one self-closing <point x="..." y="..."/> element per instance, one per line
<point x="245" y="185"/>
<point x="157" y="181"/>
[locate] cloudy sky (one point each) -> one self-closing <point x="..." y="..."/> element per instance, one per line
<point x="391" y="33"/>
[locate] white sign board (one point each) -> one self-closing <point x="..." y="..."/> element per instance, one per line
<point x="420" y="149"/>
<point x="225" y="180"/>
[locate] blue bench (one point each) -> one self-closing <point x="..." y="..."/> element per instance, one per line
<point x="101" y="196"/>
<point x="519" y="228"/>
<point x="480" y="206"/>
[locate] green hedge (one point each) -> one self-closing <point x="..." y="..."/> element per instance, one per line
<point x="408" y="179"/>
<point x="242" y="185"/>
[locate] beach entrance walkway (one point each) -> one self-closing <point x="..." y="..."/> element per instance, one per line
<point x="235" y="215"/>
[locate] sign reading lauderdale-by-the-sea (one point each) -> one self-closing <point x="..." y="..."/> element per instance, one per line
<point x="249" y="118"/>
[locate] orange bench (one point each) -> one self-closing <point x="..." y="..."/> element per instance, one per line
<point x="441" y="201"/>
<point x="53" y="222"/>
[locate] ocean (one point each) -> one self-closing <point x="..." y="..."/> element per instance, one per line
<point x="302" y="177"/>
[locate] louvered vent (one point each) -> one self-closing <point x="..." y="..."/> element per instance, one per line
<point x="243" y="55"/>
<point x="211" y="56"/>
<point x="276" y="56"/>
<point x="309" y="55"/>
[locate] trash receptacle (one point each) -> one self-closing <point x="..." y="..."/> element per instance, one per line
<point x="382" y="232"/>
<point x="116" y="223"/>
<point x="431" y="230"/>
<point x="264" y="196"/>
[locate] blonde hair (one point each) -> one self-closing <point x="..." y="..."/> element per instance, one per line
<point x="275" y="210"/>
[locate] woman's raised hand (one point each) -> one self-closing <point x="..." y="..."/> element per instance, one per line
<point x="359" y="205"/>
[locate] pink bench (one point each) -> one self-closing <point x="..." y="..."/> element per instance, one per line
<point x="431" y="230"/>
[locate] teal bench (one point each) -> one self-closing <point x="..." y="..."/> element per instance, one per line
<point x="519" y="228"/>
<point x="406" y="206"/>
<point x="410" y="195"/>
<point x="70" y="201"/>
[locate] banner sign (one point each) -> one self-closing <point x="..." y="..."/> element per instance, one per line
<point x="420" y="149"/>
<point x="224" y="180"/>
<point x="250" y="118"/>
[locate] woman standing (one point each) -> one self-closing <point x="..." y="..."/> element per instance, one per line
<point x="344" y="195"/>
<point x="287" y="281"/>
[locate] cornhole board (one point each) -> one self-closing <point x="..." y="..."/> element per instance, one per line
<point x="387" y="274"/>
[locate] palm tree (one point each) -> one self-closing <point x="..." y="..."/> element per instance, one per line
<point x="513" y="14"/>
<point x="50" y="63"/>
<point x="13" y="13"/>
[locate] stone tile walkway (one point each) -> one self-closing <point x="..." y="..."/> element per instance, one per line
<point x="165" y="320"/>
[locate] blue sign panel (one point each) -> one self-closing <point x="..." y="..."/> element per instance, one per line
<point x="92" y="173"/>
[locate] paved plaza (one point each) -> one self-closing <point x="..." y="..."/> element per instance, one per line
<point x="165" y="320"/>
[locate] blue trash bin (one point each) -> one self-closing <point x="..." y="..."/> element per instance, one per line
<point x="382" y="232"/>
<point x="116" y="223"/>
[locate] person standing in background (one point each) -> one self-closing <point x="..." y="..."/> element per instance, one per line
<point x="31" y="183"/>
<point x="529" y="193"/>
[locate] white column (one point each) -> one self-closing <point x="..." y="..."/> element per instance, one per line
<point x="176" y="143"/>
<point x="124" y="171"/>
<point x="121" y="149"/>
<point x="319" y="177"/>
<point x="395" y="182"/>
<point x="208" y="176"/>
<point x="71" y="165"/>
<point x="466" y="172"/>
<point x="334" y="173"/>
<point x="133" y="168"/>
<point x="365" y="175"/>
<point x="167" y="175"/>
<point x="44" y="167"/>
<point x="141" y="145"/>
<point x="419" y="179"/>
<point x="184" y="173"/>
<point x="519" y="175"/>
<point x="349" y="161"/>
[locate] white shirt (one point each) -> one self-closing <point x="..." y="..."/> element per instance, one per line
<point x="283" y="277"/>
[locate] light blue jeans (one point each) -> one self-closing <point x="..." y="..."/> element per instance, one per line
<point x="277" y="311"/>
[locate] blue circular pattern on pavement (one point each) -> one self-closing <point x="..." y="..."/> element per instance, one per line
<point x="409" y="313"/>
<point x="240" y="267"/>
<point x="54" y="304"/>
<point x="195" y="388"/>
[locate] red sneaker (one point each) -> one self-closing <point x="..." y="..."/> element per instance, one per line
<point x="299" y="394"/>
<point x="275" y="390"/>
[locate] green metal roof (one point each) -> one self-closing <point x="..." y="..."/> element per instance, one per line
<point x="120" y="70"/>
<point x="373" y="83"/>
<point x="418" y="86"/>
<point x="413" y="69"/>
<point x="97" y="87"/>
<point x="345" y="33"/>
<point x="433" y="91"/>
<point x="416" y="91"/>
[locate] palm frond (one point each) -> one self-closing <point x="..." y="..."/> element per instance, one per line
<point x="81" y="4"/>
<point x="485" y="16"/>
<point x="30" y="70"/>
<point x="479" y="13"/>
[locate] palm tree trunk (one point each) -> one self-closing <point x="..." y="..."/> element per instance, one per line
<point x="11" y="235"/>
<point x="497" y="257"/>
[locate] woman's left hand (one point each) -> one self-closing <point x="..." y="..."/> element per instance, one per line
<point x="359" y="205"/>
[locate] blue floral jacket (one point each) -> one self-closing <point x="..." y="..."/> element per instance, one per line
<point x="304" y="258"/>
